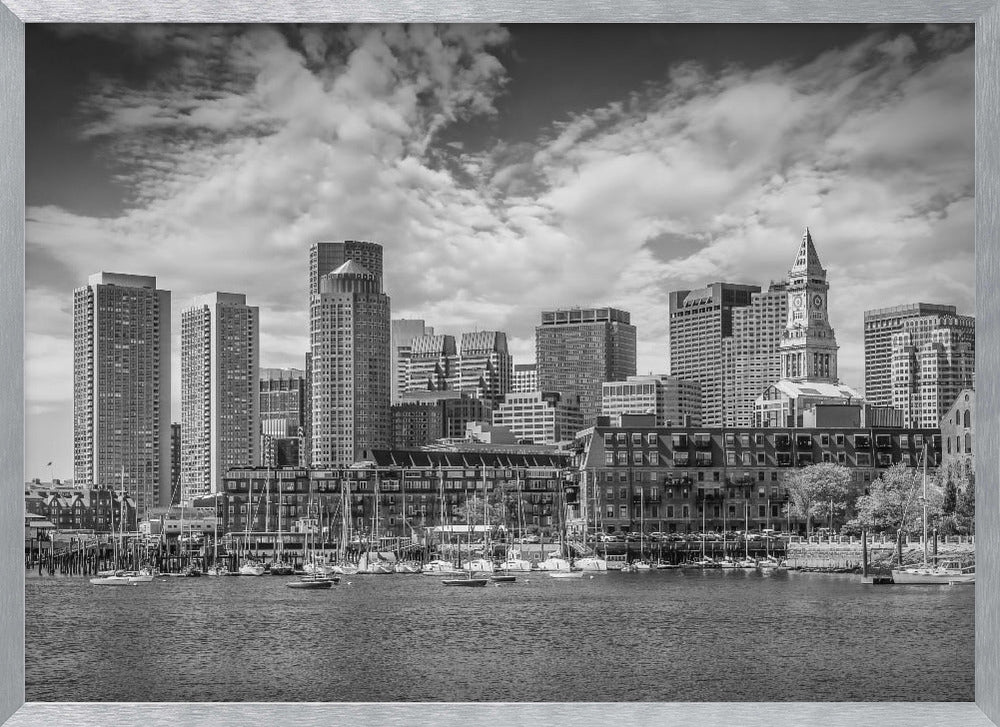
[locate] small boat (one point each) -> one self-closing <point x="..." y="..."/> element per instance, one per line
<point x="469" y="582"/>
<point x="770" y="563"/>
<point x="503" y="579"/>
<point x="479" y="565"/>
<point x="218" y="570"/>
<point x="252" y="568"/>
<point x="566" y="574"/>
<point x="945" y="572"/>
<point x="123" y="578"/>
<point x="441" y="567"/>
<point x="592" y="563"/>
<point x="280" y="568"/>
<point x="554" y="563"/>
<point x="314" y="582"/>
<point x="747" y="564"/>
<point x="408" y="566"/>
<point x="642" y="565"/>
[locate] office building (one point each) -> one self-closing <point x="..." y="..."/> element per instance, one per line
<point x="175" y="463"/>
<point x="283" y="406"/>
<point x="880" y="325"/>
<point x="540" y="417"/>
<point x="402" y="333"/>
<point x="325" y="257"/>
<point x="349" y="335"/>
<point x="524" y="378"/>
<point x="121" y="387"/>
<point x="434" y="364"/>
<point x="699" y="322"/>
<point x="750" y="354"/>
<point x="671" y="401"/>
<point x="485" y="366"/>
<point x="220" y="408"/>
<point x="423" y="417"/>
<point x="577" y="350"/>
<point x="933" y="360"/>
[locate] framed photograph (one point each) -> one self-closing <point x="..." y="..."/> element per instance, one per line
<point x="535" y="157"/>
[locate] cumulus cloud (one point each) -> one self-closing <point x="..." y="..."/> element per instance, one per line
<point x="241" y="146"/>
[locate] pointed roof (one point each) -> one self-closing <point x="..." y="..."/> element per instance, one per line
<point x="806" y="260"/>
<point x="351" y="268"/>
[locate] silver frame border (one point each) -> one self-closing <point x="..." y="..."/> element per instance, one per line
<point x="985" y="711"/>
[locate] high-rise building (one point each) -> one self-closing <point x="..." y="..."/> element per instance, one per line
<point x="220" y="413"/>
<point x="307" y="427"/>
<point x="540" y="417"/>
<point x="175" y="464"/>
<point x="349" y="335"/>
<point x="750" y="354"/>
<point x="933" y="360"/>
<point x="325" y="257"/>
<point x="485" y="366"/>
<point x="672" y="401"/>
<point x="402" y="333"/>
<point x="434" y="364"/>
<point x="282" y="417"/>
<point x="808" y="346"/>
<point x="699" y="321"/>
<point x="121" y="387"/>
<point x="577" y="350"/>
<point x="423" y="417"/>
<point x="524" y="379"/>
<point x="880" y="325"/>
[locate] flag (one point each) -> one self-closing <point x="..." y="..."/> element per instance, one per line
<point x="49" y="464"/>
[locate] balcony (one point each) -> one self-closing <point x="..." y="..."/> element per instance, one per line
<point x="883" y="441"/>
<point x="782" y="441"/>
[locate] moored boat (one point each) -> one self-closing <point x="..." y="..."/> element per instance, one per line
<point x="252" y="568"/>
<point x="441" y="567"/>
<point x="566" y="574"/>
<point x="314" y="582"/>
<point x="941" y="574"/>
<point x="123" y="578"/>
<point x="470" y="582"/>
<point x="592" y="563"/>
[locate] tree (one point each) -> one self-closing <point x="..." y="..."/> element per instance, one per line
<point x="812" y="489"/>
<point x="893" y="503"/>
<point x="471" y="511"/>
<point x="950" y="498"/>
<point x="965" y="507"/>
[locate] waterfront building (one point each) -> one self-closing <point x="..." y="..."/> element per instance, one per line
<point x="577" y="350"/>
<point x="121" y="387"/>
<point x="787" y="403"/>
<point x="750" y="353"/>
<point x="933" y="359"/>
<point x="672" y="401"/>
<point x="283" y="405"/>
<point x="540" y="417"/>
<point x="524" y="378"/>
<point x="68" y="507"/>
<point x="401" y="334"/>
<point x="880" y="326"/>
<point x="434" y="364"/>
<point x="349" y="335"/>
<point x="808" y="347"/>
<point x="175" y="463"/>
<point x="958" y="430"/>
<point x="423" y="417"/>
<point x="670" y="478"/>
<point x="220" y="408"/>
<point x="485" y="366"/>
<point x="325" y="257"/>
<point x="699" y="322"/>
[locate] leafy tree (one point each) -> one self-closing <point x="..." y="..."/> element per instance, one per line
<point x="812" y="489"/>
<point x="950" y="498"/>
<point x="471" y="511"/>
<point x="965" y="507"/>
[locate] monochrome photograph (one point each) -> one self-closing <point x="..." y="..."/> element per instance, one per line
<point x="499" y="363"/>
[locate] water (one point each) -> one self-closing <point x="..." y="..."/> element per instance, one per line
<point x="659" y="636"/>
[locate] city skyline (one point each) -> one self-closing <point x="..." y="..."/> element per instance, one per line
<point x="680" y="161"/>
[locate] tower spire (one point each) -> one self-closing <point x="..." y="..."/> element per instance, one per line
<point x="806" y="259"/>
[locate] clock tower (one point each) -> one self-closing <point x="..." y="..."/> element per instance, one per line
<point x="808" y="347"/>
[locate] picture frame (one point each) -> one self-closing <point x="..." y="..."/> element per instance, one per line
<point x="983" y="712"/>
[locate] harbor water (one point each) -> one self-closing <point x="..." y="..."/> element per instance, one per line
<point x="651" y="636"/>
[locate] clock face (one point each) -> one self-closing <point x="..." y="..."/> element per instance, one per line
<point x="817" y="301"/>
<point x="797" y="300"/>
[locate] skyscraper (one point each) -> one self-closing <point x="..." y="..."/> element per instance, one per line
<point x="808" y="345"/>
<point x="325" y="257"/>
<point x="577" y="350"/>
<point x="220" y="414"/>
<point x="524" y="379"/>
<point x="282" y="417"/>
<point x="433" y="364"/>
<point x="674" y="402"/>
<point x="349" y="335"/>
<point x="485" y="366"/>
<point x="402" y="333"/>
<point x="933" y="360"/>
<point x="699" y="321"/>
<point x="750" y="354"/>
<point x="880" y="325"/>
<point x="121" y="387"/>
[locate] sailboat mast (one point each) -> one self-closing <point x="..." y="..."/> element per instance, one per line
<point x="925" y="504"/>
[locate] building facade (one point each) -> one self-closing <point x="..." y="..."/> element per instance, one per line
<point x="349" y="335"/>
<point x="788" y="403"/>
<point x="750" y="354"/>
<point x="283" y="405"/>
<point x="121" y="387"/>
<point x="175" y="463"/>
<point x="433" y="364"/>
<point x="325" y="257"/>
<point x="958" y="431"/>
<point x="880" y="326"/>
<point x="524" y="378"/>
<point x="424" y="417"/>
<point x="933" y="360"/>
<point x="672" y="401"/>
<point x="80" y="508"/>
<point x="220" y="406"/>
<point x="699" y="322"/>
<point x="577" y="350"/>
<point x="540" y="417"/>
<point x="401" y="335"/>
<point x="485" y="366"/>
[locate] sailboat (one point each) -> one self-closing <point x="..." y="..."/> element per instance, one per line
<point x="250" y="566"/>
<point x="121" y="577"/>
<point x="592" y="563"/>
<point x="943" y="573"/>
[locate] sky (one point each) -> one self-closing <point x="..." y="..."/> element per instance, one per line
<point x="505" y="170"/>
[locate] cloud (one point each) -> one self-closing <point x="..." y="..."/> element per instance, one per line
<point x="243" y="146"/>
